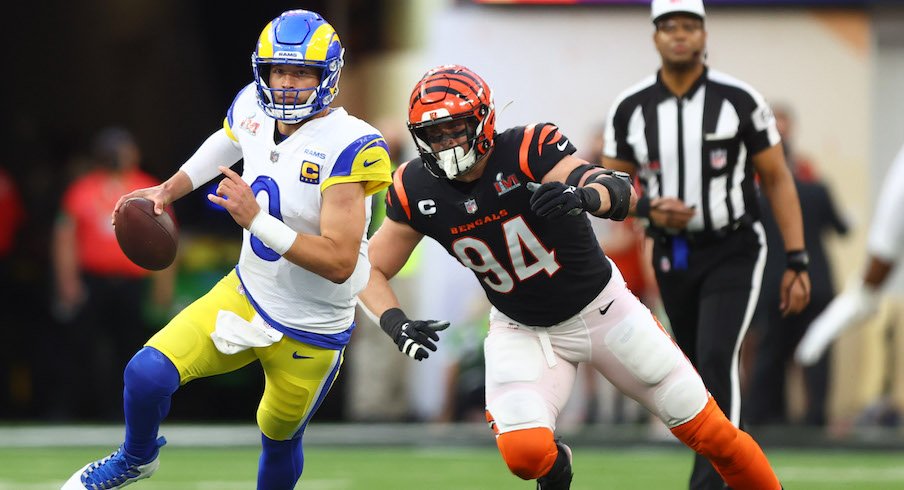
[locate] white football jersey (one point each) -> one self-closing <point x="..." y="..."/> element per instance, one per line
<point x="287" y="179"/>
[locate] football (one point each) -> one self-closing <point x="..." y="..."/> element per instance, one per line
<point x="148" y="240"/>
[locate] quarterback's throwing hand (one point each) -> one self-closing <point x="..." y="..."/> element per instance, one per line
<point x="414" y="338"/>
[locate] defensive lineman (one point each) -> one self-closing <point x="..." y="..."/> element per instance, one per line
<point x="510" y="206"/>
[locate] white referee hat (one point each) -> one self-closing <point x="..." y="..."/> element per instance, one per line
<point x="665" y="7"/>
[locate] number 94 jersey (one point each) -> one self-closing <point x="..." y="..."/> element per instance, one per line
<point x="536" y="271"/>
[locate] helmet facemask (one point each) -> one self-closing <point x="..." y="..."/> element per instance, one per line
<point x="321" y="95"/>
<point x="449" y="162"/>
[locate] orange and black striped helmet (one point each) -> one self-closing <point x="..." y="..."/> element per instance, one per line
<point x="449" y="93"/>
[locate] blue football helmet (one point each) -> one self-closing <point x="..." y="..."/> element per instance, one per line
<point x="297" y="37"/>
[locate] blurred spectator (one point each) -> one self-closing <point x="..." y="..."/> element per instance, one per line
<point x="861" y="299"/>
<point x="99" y="293"/>
<point x="12" y="214"/>
<point x="778" y="336"/>
<point x="801" y="166"/>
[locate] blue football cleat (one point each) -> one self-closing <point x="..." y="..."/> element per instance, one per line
<point x="115" y="471"/>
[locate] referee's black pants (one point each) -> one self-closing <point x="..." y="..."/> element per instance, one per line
<point x="710" y="302"/>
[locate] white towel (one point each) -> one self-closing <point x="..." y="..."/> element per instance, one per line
<point x="233" y="334"/>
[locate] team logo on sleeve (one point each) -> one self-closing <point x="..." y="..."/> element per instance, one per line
<point x="763" y="117"/>
<point x="310" y="173"/>
<point x="250" y="125"/>
<point x="504" y="185"/>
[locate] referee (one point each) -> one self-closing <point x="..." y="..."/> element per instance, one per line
<point x="695" y="137"/>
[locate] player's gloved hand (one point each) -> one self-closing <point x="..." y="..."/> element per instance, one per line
<point x="556" y="199"/>
<point x="413" y="337"/>
<point x="855" y="305"/>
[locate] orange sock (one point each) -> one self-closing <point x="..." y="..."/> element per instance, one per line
<point x="529" y="453"/>
<point x="735" y="455"/>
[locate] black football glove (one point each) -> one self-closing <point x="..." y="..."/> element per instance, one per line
<point x="556" y="199"/>
<point x="413" y="337"/>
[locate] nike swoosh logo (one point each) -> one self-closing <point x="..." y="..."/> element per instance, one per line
<point x="369" y="163"/>
<point x="604" y="310"/>
<point x="296" y="355"/>
<point x="561" y="146"/>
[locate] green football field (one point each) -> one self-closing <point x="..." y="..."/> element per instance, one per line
<point x="379" y="468"/>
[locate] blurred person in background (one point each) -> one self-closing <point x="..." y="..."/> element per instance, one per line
<point x="289" y="304"/>
<point x="860" y="299"/>
<point x="12" y="214"/>
<point x="695" y="137"/>
<point x="778" y="335"/>
<point x="801" y="166"/>
<point x="512" y="207"/>
<point x="12" y="363"/>
<point x="100" y="295"/>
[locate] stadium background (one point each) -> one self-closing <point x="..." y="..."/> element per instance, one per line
<point x="168" y="71"/>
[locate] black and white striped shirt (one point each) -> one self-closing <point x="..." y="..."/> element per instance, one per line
<point x="697" y="148"/>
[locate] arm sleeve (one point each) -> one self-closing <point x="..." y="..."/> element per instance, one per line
<point x="219" y="149"/>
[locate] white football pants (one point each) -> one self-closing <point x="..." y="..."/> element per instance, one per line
<point x="530" y="371"/>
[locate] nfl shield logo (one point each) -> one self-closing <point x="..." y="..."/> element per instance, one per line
<point x="274" y="156"/>
<point x="718" y="158"/>
<point x="471" y="206"/>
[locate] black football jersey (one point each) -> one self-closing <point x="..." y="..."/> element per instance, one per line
<point x="535" y="270"/>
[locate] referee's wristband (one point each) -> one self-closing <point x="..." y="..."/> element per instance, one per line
<point x="274" y="233"/>
<point x="797" y="260"/>
<point x="642" y="209"/>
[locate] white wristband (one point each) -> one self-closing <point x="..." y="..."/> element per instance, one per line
<point x="273" y="232"/>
